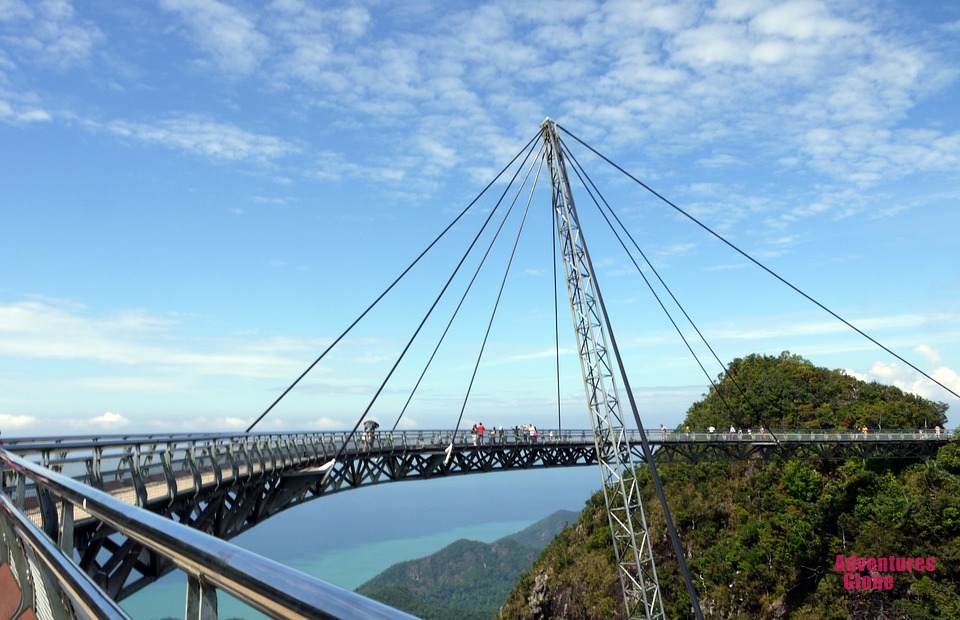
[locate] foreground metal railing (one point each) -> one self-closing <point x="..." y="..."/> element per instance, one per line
<point x="44" y="579"/>
<point x="52" y="585"/>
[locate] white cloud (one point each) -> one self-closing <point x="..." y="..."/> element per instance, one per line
<point x="17" y="112"/>
<point x="913" y="382"/>
<point x="11" y="10"/>
<point x="205" y="137"/>
<point x="231" y="423"/>
<point x="802" y="20"/>
<point x="329" y="424"/>
<point x="932" y="355"/>
<point x="61" y="331"/>
<point x="47" y="32"/>
<point x="225" y="33"/>
<point x="830" y="85"/>
<point x="110" y="420"/>
<point x="307" y="40"/>
<point x="8" y="422"/>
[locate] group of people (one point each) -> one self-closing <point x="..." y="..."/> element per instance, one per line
<point x="526" y="432"/>
<point x="739" y="432"/>
<point x="734" y="432"/>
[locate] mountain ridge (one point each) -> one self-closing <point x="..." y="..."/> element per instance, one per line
<point x="465" y="580"/>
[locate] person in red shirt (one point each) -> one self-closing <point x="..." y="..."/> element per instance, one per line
<point x="480" y="430"/>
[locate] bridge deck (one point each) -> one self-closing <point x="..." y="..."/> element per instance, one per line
<point x="209" y="463"/>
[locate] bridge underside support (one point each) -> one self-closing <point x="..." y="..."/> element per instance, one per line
<point x="122" y="567"/>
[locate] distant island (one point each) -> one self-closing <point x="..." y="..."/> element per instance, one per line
<point x="466" y="580"/>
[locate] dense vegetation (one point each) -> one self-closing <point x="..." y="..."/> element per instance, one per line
<point x="761" y="538"/>
<point x="466" y="580"/>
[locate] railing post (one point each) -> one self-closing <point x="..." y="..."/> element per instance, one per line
<point x="194" y="468"/>
<point x="214" y="451"/>
<point x="245" y="455"/>
<point x="258" y="453"/>
<point x="66" y="527"/>
<point x="166" y="462"/>
<point x="94" y="471"/>
<point x="48" y="513"/>
<point x="137" y="474"/>
<point x="20" y="494"/>
<point x="201" y="600"/>
<point x="232" y="460"/>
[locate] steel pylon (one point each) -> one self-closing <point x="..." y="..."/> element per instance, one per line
<point x="628" y="524"/>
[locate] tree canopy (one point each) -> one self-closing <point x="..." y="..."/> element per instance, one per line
<point x="762" y="538"/>
<point x="787" y="391"/>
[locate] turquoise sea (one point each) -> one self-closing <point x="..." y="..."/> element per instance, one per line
<point x="347" y="538"/>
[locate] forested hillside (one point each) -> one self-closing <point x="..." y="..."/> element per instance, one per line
<point x="467" y="579"/>
<point x="762" y="538"/>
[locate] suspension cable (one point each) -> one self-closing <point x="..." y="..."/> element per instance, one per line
<point x="392" y="284"/>
<point x="503" y="282"/>
<point x="416" y="332"/>
<point x="556" y="322"/>
<point x="584" y="180"/>
<point x="463" y="297"/>
<point x="757" y="263"/>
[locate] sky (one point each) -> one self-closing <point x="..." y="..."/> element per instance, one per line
<point x="199" y="197"/>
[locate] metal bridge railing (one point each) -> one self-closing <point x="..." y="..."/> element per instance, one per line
<point x="159" y="466"/>
<point x="53" y="586"/>
<point x="45" y="580"/>
<point x="796" y="435"/>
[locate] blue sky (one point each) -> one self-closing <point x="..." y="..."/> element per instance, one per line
<point x="198" y="196"/>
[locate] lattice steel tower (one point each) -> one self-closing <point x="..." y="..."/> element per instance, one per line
<point x="599" y="363"/>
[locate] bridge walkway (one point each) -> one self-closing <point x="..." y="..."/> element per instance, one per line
<point x="224" y="484"/>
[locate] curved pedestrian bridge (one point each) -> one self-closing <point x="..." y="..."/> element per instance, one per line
<point x="117" y="505"/>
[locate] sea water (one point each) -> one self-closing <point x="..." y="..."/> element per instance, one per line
<point x="350" y="537"/>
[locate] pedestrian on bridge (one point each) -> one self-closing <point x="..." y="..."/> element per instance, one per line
<point x="480" y="430"/>
<point x="369" y="433"/>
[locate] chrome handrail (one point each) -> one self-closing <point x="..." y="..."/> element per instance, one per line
<point x="81" y="592"/>
<point x="209" y="562"/>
